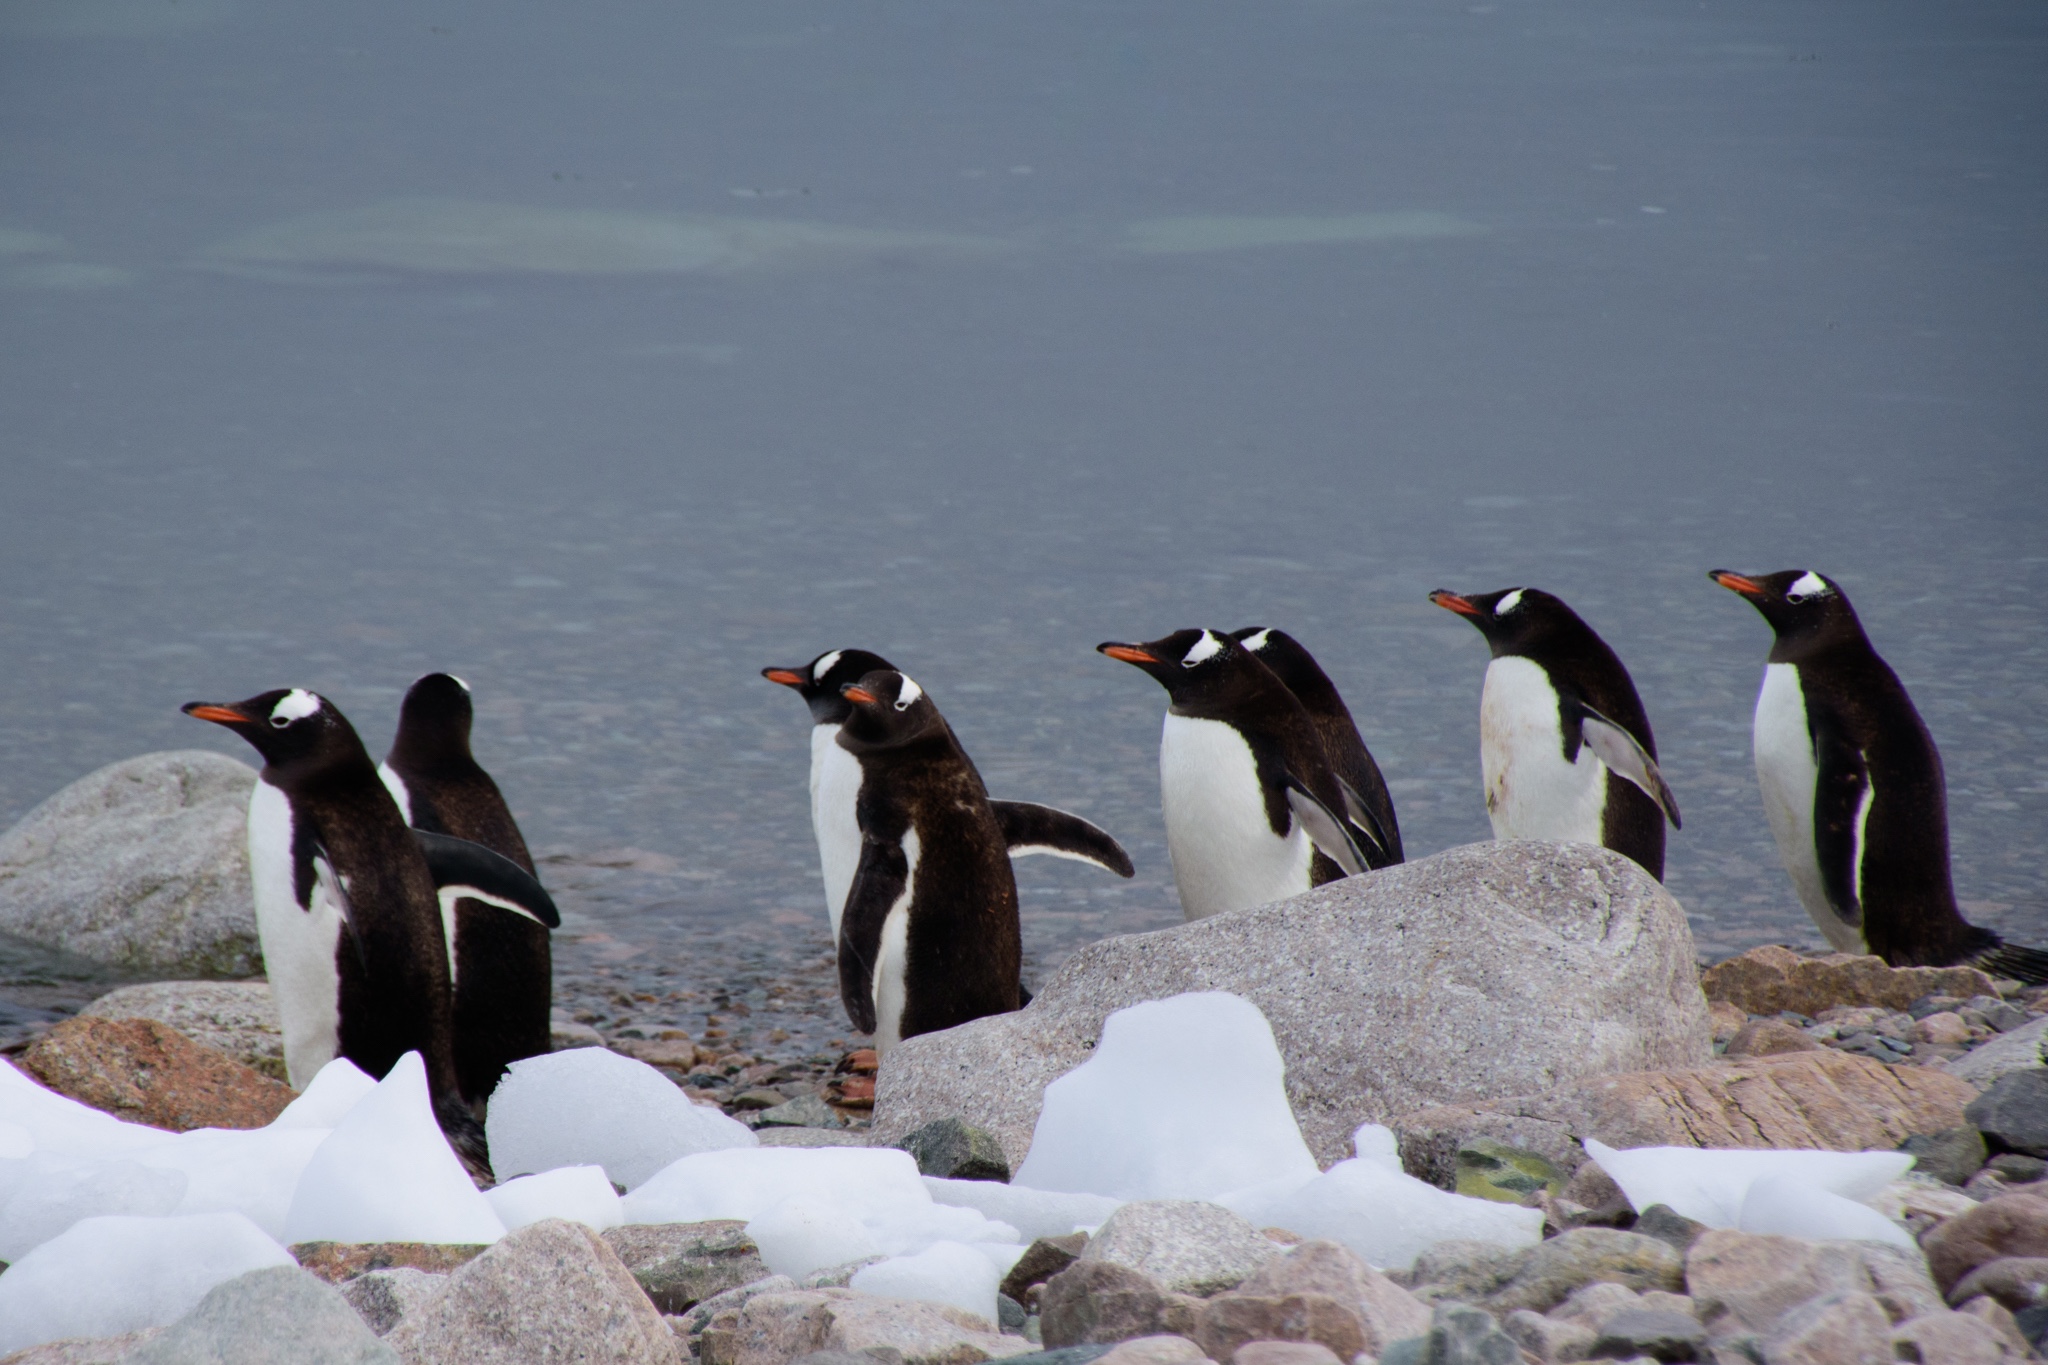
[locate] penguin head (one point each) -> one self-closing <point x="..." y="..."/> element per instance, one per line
<point x="819" y="681"/>
<point x="288" y="726"/>
<point x="1192" y="665"/>
<point x="435" y="716"/>
<point x="886" y="708"/>
<point x="1513" y="620"/>
<point x="1798" y="603"/>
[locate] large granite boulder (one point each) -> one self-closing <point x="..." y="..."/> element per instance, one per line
<point x="1492" y="969"/>
<point x="147" y="1072"/>
<point x="143" y="865"/>
<point x="236" y="1017"/>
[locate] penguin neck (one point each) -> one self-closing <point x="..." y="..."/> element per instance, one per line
<point x="1840" y="634"/>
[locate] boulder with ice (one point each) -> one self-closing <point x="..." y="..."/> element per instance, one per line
<point x="944" y="1272"/>
<point x="386" y="1174"/>
<point x="333" y="1091"/>
<point x="1033" y="1213"/>
<point x="1184" y="1098"/>
<point x="1383" y="1214"/>
<point x="106" y="1276"/>
<point x="580" y="1194"/>
<point x="58" y="1123"/>
<point x="799" y="1237"/>
<point x="1711" y="1185"/>
<point x="588" y="1106"/>
<point x="1791" y="1206"/>
<point x="43" y="1194"/>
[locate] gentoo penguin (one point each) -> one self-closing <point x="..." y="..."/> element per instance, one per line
<point x="929" y="936"/>
<point x="1366" y="795"/>
<point x="1254" y="811"/>
<point x="347" y="901"/>
<point x="1852" y="786"/>
<point x="1564" y="744"/>
<point x="836" y="779"/>
<point x="500" y="957"/>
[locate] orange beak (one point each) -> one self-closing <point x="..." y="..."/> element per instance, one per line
<point x="1735" y="582"/>
<point x="219" y="715"/>
<point x="788" y="677"/>
<point x="1450" y="601"/>
<point x="1130" y="654"/>
<point x="854" y="692"/>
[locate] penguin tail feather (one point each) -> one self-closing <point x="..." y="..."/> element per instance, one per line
<point x="2029" y="965"/>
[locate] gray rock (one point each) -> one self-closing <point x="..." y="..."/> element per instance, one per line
<point x="1318" y="1291"/>
<point x="143" y="865"/>
<point x="1043" y="1259"/>
<point x="1459" y="1334"/>
<point x="1010" y="1315"/>
<point x="805" y="1111"/>
<point x="1185" y="1245"/>
<point x="235" y="1017"/>
<point x="811" y="1137"/>
<point x="1463" y="1272"/>
<point x="1951" y="1156"/>
<point x="1493" y="969"/>
<point x="283" y="1315"/>
<point x="1653" y="1332"/>
<point x="2014" y="1051"/>
<point x="85" y="1350"/>
<point x="679" y="1265"/>
<point x="2018" y="1282"/>
<point x="2015" y="1169"/>
<point x="1068" y="1355"/>
<point x="952" y="1150"/>
<point x="1100" y="1301"/>
<point x="382" y="1298"/>
<point x="1956" y="1339"/>
<point x="1669" y="1226"/>
<point x="1844" y="1328"/>
<point x="2013" y="1113"/>
<point x="773" y="1329"/>
<point x="1557" y="1268"/>
<point x="699" y="1318"/>
<point x="550" y="1292"/>
<point x="838" y="1276"/>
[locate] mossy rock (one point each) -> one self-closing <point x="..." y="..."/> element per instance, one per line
<point x="1504" y="1174"/>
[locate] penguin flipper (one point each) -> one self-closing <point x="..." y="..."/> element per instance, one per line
<point x="1382" y="853"/>
<point x="1031" y="828"/>
<point x="330" y="884"/>
<point x="468" y="871"/>
<point x="1842" y="798"/>
<point x="1618" y="749"/>
<point x="1324" y="829"/>
<point x="879" y="882"/>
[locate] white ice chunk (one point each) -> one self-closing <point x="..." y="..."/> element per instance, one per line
<point x="1376" y="1143"/>
<point x="1385" y="1216"/>
<point x="580" y="1194"/>
<point x="1002" y="1255"/>
<point x="385" y="1174"/>
<point x="747" y="1182"/>
<point x="15" y="1141"/>
<point x="944" y="1272"/>
<point x="1791" y="1207"/>
<point x="106" y="1276"/>
<point x="333" y="1092"/>
<point x="1144" y="1119"/>
<point x="588" y="1106"/>
<point x="59" y="1123"/>
<point x="251" y="1172"/>
<point x="49" y="1192"/>
<point x="1708" y="1185"/>
<point x="1033" y="1213"/>
<point x="906" y="1226"/>
<point x="798" y="1237"/>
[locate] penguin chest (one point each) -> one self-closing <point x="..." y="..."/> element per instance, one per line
<point x="1531" y="792"/>
<point x="1225" y="853"/>
<point x="890" y="985"/>
<point x="299" y="942"/>
<point x="1786" y="774"/>
<point x="835" y="797"/>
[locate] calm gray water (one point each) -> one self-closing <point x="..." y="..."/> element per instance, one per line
<point x="603" y="356"/>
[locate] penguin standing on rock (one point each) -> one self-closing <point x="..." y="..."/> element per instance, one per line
<point x="1564" y="744"/>
<point x="929" y="935"/>
<point x="1296" y="667"/>
<point x="1254" y="811"/>
<point x="1853" y="788"/>
<point x="836" y="786"/>
<point x="501" y="958"/>
<point x="347" y="902"/>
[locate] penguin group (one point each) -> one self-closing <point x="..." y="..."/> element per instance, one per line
<point x="399" y="911"/>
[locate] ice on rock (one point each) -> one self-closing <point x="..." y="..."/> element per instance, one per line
<point x="105" y="1276"/>
<point x="254" y="1172"/>
<point x="588" y="1106"/>
<point x="944" y="1272"/>
<point x="333" y="1092"/>
<point x="1384" y="1214"/>
<point x="1033" y="1213"/>
<point x="385" y="1174"/>
<point x="1710" y="1185"/>
<point x="797" y="1237"/>
<point x="1182" y="1099"/>
<point x="580" y="1194"/>
<point x="58" y="1123"/>
<point x="1791" y="1207"/>
<point x="48" y="1192"/>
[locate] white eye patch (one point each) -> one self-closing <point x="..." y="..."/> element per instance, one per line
<point x="296" y="704"/>
<point x="1208" y="647"/>
<point x="1508" y="603"/>
<point x="824" y="664"/>
<point x="460" y="683"/>
<point x="909" y="695"/>
<point x="1807" y="585"/>
<point x="1257" y="642"/>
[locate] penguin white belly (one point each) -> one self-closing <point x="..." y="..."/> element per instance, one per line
<point x="298" y="945"/>
<point x="1225" y="854"/>
<point x="1786" y="773"/>
<point x="835" y="795"/>
<point x="891" y="989"/>
<point x="1531" y="792"/>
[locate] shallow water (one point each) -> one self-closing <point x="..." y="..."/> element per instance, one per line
<point x="604" y="359"/>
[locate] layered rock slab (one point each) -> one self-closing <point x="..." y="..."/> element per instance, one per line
<point x="1499" y="968"/>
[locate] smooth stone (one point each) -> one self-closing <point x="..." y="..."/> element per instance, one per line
<point x="774" y="1328"/>
<point x="1459" y="1334"/>
<point x="953" y="1150"/>
<point x="278" y="1316"/>
<point x="1284" y="1353"/>
<point x="805" y="1111"/>
<point x="84" y="1350"/>
<point x="1950" y="1339"/>
<point x="1184" y="1245"/>
<point x="1160" y="1350"/>
<point x="2016" y="1168"/>
<point x="2018" y="1282"/>
<point x="383" y="1298"/>
<point x="698" y="1319"/>
<point x="338" y="1261"/>
<point x="1951" y="1156"/>
<point x="1043" y="1259"/>
<point x="1773" y="979"/>
<point x="775" y="1136"/>
<point x="1094" y="1301"/>
<point x="1768" y="1038"/>
<point x="1844" y="1328"/>
<point x="1464" y="1272"/>
<point x="2017" y="1050"/>
<point x="1653" y="1332"/>
<point x="1320" y="1292"/>
<point x="2010" y="1225"/>
<point x="142" y="1071"/>
<point x="1743" y="1282"/>
<point x="236" y="1017"/>
<point x="1555" y="1269"/>
<point x="2013" y="1113"/>
<point x="1668" y="1225"/>
<point x="679" y="1265"/>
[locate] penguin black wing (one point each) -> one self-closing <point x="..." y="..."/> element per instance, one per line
<point x="1031" y="828"/>
<point x="1624" y="756"/>
<point x="466" y="871"/>
<point x="1385" y="848"/>
<point x="878" y="883"/>
<point x="1325" y="830"/>
<point x="322" y="879"/>
<point x="1842" y="797"/>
